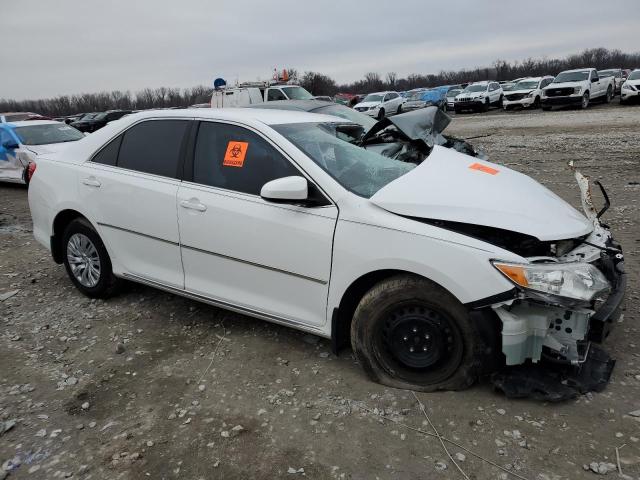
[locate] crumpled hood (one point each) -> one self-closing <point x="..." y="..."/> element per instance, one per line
<point x="452" y="186"/>
<point x="425" y="124"/>
<point x="48" y="148"/>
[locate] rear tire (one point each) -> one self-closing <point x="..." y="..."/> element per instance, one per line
<point x="609" y="95"/>
<point x="410" y="333"/>
<point x="87" y="261"/>
<point x="399" y="109"/>
<point x="381" y="114"/>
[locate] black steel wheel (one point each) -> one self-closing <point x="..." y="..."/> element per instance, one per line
<point x="408" y="332"/>
<point x="421" y="340"/>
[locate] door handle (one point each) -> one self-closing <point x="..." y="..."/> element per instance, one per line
<point x="92" y="182"/>
<point x="193" y="204"/>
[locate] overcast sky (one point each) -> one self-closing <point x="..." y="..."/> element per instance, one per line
<point x="73" y="46"/>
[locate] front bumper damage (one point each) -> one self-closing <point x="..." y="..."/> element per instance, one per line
<point x="537" y="334"/>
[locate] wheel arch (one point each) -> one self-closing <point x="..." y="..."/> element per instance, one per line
<point x="60" y="222"/>
<point x="342" y="315"/>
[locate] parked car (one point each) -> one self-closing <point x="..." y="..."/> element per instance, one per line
<point x="617" y="75"/>
<point x="324" y="98"/>
<point x="577" y="87"/>
<point x="630" y="90"/>
<point x="479" y="96"/>
<point x="21" y="116"/>
<point x="22" y="142"/>
<point x="450" y="97"/>
<point x="343" y="98"/>
<point x="432" y="271"/>
<point x="97" y="121"/>
<point x="380" y="104"/>
<point x="526" y="93"/>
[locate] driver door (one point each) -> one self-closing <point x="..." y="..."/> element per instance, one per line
<point x="241" y="250"/>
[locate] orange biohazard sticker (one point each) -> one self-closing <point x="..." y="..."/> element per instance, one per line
<point x="234" y="156"/>
<point x="483" y="168"/>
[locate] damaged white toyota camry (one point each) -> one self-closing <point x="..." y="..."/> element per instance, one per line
<point x="436" y="265"/>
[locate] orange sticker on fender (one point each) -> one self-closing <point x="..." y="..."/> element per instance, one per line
<point x="234" y="156"/>
<point x="483" y="168"/>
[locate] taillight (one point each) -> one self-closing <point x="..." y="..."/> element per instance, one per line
<point x="31" y="169"/>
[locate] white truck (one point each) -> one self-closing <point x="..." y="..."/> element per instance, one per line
<point x="577" y="87"/>
<point x="246" y="94"/>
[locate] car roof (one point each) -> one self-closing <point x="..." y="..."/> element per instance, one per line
<point x="381" y="93"/>
<point x="28" y="123"/>
<point x="264" y="115"/>
<point x="578" y="70"/>
<point x="300" y="105"/>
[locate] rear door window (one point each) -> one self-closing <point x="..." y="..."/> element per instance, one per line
<point x="153" y="147"/>
<point x="234" y="158"/>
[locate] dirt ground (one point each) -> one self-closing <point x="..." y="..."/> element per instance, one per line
<point x="151" y="385"/>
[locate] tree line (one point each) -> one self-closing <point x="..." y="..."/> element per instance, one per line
<point x="321" y="84"/>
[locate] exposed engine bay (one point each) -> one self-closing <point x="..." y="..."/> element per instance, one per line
<point x="410" y="137"/>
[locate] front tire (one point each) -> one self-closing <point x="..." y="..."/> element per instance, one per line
<point x="410" y="333"/>
<point x="585" y="100"/>
<point x="87" y="261"/>
<point x="399" y="110"/>
<point x="380" y="114"/>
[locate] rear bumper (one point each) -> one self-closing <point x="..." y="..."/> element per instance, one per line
<point x="559" y="101"/>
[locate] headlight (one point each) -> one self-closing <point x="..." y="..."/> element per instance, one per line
<point x="531" y="93"/>
<point x="374" y="107"/>
<point x="575" y="281"/>
<point x="577" y="90"/>
<point x="626" y="86"/>
<point x="544" y="93"/>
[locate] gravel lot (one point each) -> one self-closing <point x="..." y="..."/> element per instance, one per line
<point x="150" y="385"/>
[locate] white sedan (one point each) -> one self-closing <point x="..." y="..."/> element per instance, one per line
<point x="526" y="93"/>
<point x="381" y="104"/>
<point x="22" y="142"/>
<point x="281" y="216"/>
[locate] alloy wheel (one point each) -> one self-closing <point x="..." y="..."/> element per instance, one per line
<point x="84" y="260"/>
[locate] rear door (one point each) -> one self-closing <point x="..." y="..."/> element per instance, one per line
<point x="241" y="250"/>
<point x="130" y="187"/>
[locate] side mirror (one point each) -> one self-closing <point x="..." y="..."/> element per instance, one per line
<point x="286" y="189"/>
<point x="594" y="80"/>
<point x="10" y="145"/>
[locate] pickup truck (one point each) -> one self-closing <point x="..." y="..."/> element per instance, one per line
<point x="244" y="95"/>
<point x="577" y="87"/>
